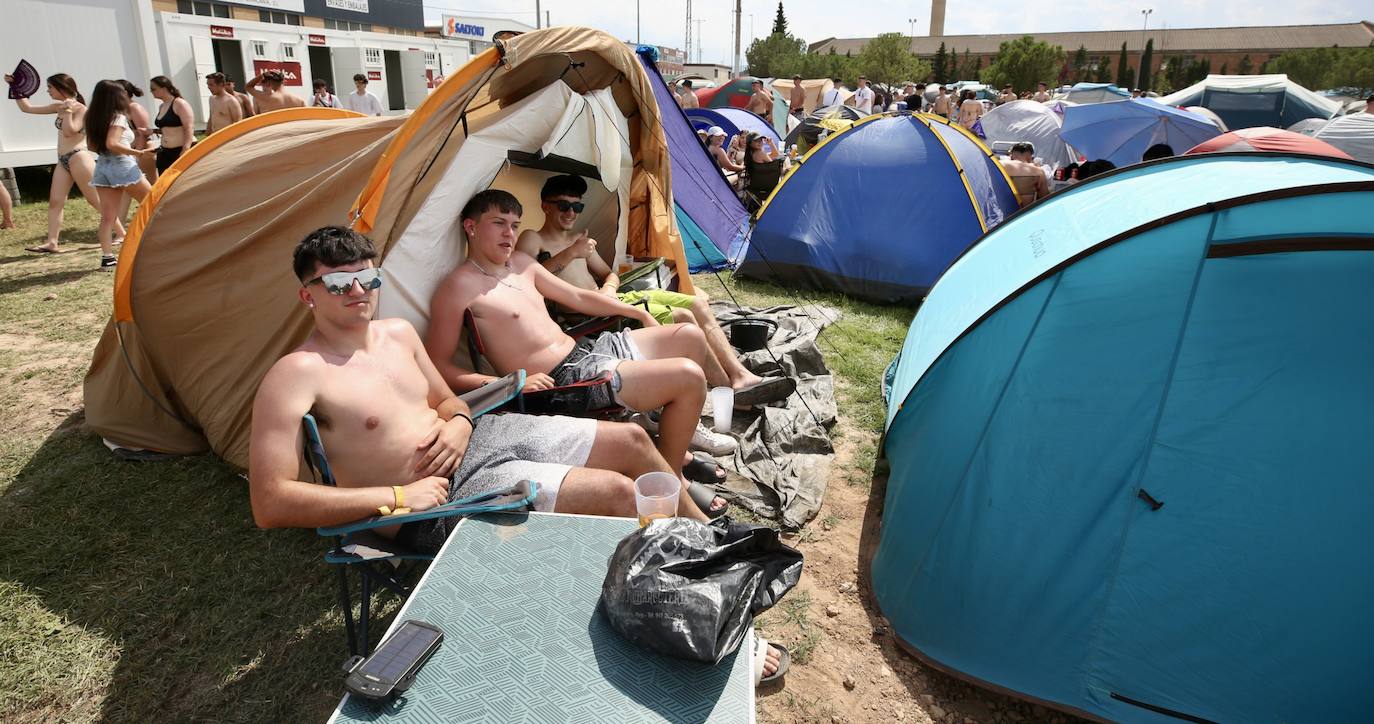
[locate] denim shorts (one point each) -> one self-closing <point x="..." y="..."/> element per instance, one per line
<point x="115" y="171"/>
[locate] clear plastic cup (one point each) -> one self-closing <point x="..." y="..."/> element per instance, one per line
<point x="722" y="407"/>
<point x="656" y="496"/>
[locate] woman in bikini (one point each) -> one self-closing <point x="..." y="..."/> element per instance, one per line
<point x="110" y="134"/>
<point x="75" y="164"/>
<point x="175" y="123"/>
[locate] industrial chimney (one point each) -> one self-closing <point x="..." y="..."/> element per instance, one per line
<point x="937" y="18"/>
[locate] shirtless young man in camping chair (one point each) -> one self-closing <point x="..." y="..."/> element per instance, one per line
<point x="651" y="368"/>
<point x="572" y="257"/>
<point x="395" y="432"/>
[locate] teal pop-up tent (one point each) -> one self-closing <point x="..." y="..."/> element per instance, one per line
<point x="1129" y="437"/>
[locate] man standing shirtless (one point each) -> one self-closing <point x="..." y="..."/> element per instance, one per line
<point x="797" y="103"/>
<point x="395" y="433"/>
<point x="761" y="103"/>
<point x="941" y="106"/>
<point x="1027" y="178"/>
<point x="224" y="107"/>
<point x="686" y="97"/>
<point x="245" y="102"/>
<point x="270" y="96"/>
<point x="572" y="257"/>
<point x="651" y="368"/>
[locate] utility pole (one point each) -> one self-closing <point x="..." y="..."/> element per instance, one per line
<point x="547" y="23"/>
<point x="734" y="70"/>
<point x="1146" y="12"/>
<point x="687" y="49"/>
<point x="636" y="22"/>
<point x="537" y="14"/>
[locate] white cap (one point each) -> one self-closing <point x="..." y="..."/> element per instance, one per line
<point x="715" y="131"/>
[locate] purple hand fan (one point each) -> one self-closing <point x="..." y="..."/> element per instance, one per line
<point x="26" y="81"/>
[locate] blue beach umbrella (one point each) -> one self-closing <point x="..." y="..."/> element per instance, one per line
<point x="1121" y="131"/>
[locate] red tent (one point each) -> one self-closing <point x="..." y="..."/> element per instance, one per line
<point x="1264" y="138"/>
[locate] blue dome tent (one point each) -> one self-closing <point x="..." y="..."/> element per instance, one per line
<point x="878" y="210"/>
<point x="1246" y="101"/>
<point x="710" y="218"/>
<point x="1129" y="446"/>
<point x="733" y="121"/>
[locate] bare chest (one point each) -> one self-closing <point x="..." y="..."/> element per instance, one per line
<point x="369" y="392"/>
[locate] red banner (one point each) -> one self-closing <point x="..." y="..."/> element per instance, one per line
<point x="374" y="75"/>
<point x="221" y="31"/>
<point x="290" y="70"/>
<point x="316" y="39"/>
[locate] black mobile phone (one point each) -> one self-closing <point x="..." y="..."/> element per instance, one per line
<point x="393" y="665"/>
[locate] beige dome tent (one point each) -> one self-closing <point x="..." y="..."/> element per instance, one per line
<point x="204" y="294"/>
<point x="814" y="89"/>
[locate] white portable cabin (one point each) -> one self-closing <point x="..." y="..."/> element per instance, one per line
<point x="96" y="39"/>
<point x="87" y="39"/>
<point x="401" y="69"/>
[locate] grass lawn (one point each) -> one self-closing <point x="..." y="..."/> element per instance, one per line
<point x="142" y="591"/>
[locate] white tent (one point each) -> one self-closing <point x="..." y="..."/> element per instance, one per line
<point x="553" y="131"/>
<point x="1245" y="101"/>
<point x="1206" y="113"/>
<point x="1032" y="122"/>
<point x="1308" y="126"/>
<point x="1353" y="134"/>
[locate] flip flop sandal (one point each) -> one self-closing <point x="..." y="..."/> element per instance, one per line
<point x="771" y="389"/>
<point x="703" y="495"/>
<point x="704" y="469"/>
<point x="42" y="250"/>
<point x="761" y="654"/>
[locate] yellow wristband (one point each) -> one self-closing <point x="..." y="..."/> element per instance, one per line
<point x="400" y="496"/>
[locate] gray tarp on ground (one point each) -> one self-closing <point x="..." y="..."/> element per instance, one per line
<point x="783" y="463"/>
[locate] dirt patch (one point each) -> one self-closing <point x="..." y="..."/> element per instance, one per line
<point x="854" y="670"/>
<point x="36" y="382"/>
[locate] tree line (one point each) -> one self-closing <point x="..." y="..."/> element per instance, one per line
<point x="887" y="60"/>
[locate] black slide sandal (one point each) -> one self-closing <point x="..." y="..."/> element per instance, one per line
<point x="702" y="495"/>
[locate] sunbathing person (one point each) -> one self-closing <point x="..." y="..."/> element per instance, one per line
<point x="396" y="434"/>
<point x="572" y="256"/>
<point x="651" y="368"/>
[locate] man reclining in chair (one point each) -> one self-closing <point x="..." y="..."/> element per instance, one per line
<point x="650" y="368"/>
<point x="395" y="433"/>
<point x="572" y="257"/>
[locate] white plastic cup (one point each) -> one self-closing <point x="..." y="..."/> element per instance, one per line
<point x="656" y="496"/>
<point x="722" y="407"/>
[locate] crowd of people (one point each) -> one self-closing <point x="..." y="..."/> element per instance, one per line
<point x="112" y="149"/>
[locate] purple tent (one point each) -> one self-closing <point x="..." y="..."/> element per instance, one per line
<point x="700" y="192"/>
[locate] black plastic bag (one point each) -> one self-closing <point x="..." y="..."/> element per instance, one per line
<point x="690" y="590"/>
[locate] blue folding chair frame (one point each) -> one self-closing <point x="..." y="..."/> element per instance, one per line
<point x="385" y="570"/>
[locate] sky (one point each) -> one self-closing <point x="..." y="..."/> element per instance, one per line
<point x="663" y="22"/>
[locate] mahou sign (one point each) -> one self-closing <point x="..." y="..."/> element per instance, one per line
<point x="290" y="71"/>
<point x="221" y="31"/>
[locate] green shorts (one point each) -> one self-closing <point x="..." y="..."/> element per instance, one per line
<point x="661" y="303"/>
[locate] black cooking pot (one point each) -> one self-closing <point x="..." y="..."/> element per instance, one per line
<point x="751" y="333"/>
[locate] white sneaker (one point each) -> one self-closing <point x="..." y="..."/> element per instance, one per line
<point x="703" y="440"/>
<point x="712" y="442"/>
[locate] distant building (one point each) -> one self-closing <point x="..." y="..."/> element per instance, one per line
<point x="712" y="72"/>
<point x="1222" y="46"/>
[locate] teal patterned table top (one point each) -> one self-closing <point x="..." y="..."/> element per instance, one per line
<point x="516" y="597"/>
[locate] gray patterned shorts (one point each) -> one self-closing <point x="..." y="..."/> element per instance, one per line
<point x="503" y="450"/>
<point x="593" y="358"/>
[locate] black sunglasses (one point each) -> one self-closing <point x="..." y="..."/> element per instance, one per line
<point x="339" y="283"/>
<point x="576" y="206"/>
